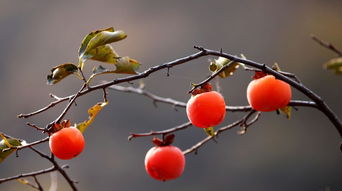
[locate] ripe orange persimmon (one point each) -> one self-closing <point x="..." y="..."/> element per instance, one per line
<point x="206" y="109"/>
<point x="67" y="143"/>
<point x="164" y="162"/>
<point x="268" y="93"/>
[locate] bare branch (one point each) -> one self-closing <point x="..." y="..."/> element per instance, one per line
<point x="212" y="76"/>
<point x="290" y="75"/>
<point x="321" y="105"/>
<point x="326" y="45"/>
<point x="35" y="173"/>
<point x="148" y="94"/>
<point x="245" y="123"/>
<point x="35" y="126"/>
<point x="58" y="167"/>
<point x="164" y="132"/>
<point x="52" y="104"/>
<point x="242" y="121"/>
<point x="39" y="186"/>
<point x="59" y="118"/>
<point x="195" y="147"/>
<point x="29" y="144"/>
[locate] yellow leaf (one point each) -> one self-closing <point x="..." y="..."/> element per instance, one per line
<point x="22" y="181"/>
<point x="59" y="72"/>
<point x="104" y="53"/>
<point x="87" y="38"/>
<point x="93" y="111"/>
<point x="217" y="64"/>
<point x="209" y="131"/>
<point x="334" y="64"/>
<point x="287" y="111"/>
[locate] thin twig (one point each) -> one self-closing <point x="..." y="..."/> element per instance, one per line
<point x="35" y="126"/>
<point x="28" y="144"/>
<point x="58" y="167"/>
<point x="35" y="173"/>
<point x="52" y="104"/>
<point x="195" y="147"/>
<point x="40" y="188"/>
<point x="164" y="132"/>
<point x="246" y="122"/>
<point x="290" y="75"/>
<point x="59" y="118"/>
<point x="326" y="45"/>
<point x="212" y="76"/>
<point x="155" y="98"/>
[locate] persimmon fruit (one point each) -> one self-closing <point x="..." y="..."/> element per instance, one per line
<point x="268" y="93"/>
<point x="164" y="162"/>
<point x="206" y="109"/>
<point x="66" y="143"/>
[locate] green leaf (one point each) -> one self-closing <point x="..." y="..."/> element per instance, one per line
<point x="217" y="64"/>
<point x="334" y="64"/>
<point x="209" y="131"/>
<point x="58" y="73"/>
<point x="104" y="53"/>
<point x="6" y="143"/>
<point x="93" y="111"/>
<point x="87" y="38"/>
<point x="287" y="110"/>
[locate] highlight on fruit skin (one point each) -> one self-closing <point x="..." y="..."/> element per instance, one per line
<point x="206" y="109"/>
<point x="268" y="93"/>
<point x="164" y="162"/>
<point x="67" y="143"/>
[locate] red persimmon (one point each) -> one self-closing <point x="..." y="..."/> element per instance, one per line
<point x="66" y="143"/>
<point x="206" y="109"/>
<point x="164" y="162"/>
<point x="268" y="93"/>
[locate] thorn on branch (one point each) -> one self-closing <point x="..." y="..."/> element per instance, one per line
<point x="168" y="72"/>
<point x="155" y="103"/>
<point x="104" y="95"/>
<point x="54" y="96"/>
<point x="200" y="48"/>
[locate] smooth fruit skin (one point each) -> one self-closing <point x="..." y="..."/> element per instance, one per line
<point x="206" y="109"/>
<point x="268" y="93"/>
<point x="164" y="162"/>
<point x="67" y="143"/>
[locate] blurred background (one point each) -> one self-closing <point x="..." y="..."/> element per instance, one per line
<point x="275" y="154"/>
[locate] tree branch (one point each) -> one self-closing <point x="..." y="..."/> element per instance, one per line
<point x="326" y="45"/>
<point x="155" y="98"/>
<point x="35" y="173"/>
<point x="212" y="76"/>
<point x="164" y="132"/>
<point x="321" y="105"/>
<point x="242" y="121"/>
